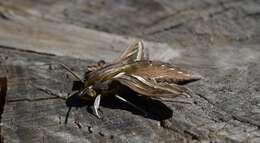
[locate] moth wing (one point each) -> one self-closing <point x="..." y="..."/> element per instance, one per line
<point x="150" y="87"/>
<point x="135" y="52"/>
<point x="163" y="72"/>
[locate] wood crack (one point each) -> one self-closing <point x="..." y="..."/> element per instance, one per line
<point x="24" y="50"/>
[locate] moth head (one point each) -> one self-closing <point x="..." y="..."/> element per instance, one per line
<point x="88" y="93"/>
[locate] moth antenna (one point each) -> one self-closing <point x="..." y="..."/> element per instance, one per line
<point x="70" y="71"/>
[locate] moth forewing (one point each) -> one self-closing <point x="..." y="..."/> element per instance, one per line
<point x="177" y="88"/>
<point x="138" y="86"/>
<point x="149" y="87"/>
<point x="134" y="52"/>
<point x="140" y="53"/>
<point x="163" y="72"/>
<point x="131" y="55"/>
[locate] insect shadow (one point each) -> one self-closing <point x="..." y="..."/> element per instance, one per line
<point x="153" y="109"/>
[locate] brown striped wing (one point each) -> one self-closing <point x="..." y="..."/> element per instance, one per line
<point x="135" y="52"/>
<point x="149" y="87"/>
<point x="162" y="72"/>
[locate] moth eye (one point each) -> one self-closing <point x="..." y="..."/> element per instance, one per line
<point x="86" y="74"/>
<point x="101" y="62"/>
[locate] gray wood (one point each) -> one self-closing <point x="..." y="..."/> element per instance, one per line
<point x="217" y="39"/>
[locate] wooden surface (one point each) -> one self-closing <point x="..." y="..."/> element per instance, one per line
<point x="217" y="39"/>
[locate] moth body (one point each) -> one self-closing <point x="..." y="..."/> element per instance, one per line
<point x="147" y="78"/>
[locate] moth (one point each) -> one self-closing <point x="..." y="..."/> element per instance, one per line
<point x="135" y="70"/>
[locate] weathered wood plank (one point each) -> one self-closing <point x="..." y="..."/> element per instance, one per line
<point x="225" y="105"/>
<point x="184" y="23"/>
<point x="34" y="34"/>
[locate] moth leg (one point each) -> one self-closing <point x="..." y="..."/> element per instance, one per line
<point x="131" y="104"/>
<point x="72" y="93"/>
<point x="96" y="105"/>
